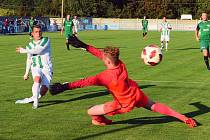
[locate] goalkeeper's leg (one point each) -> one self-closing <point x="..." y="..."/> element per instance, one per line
<point x="97" y="113"/>
<point x="164" y="109"/>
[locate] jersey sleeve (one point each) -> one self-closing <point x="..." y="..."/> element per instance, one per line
<point x="101" y="79"/>
<point x="39" y="48"/>
<point x="94" y="51"/>
<point x="198" y="27"/>
<point x="28" y="64"/>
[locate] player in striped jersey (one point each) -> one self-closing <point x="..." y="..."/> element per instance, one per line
<point x="165" y="33"/>
<point x="39" y="62"/>
<point x="76" y="25"/>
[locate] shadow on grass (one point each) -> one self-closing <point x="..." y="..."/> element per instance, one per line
<point x="136" y="122"/>
<point x="186" y="49"/>
<point x="88" y="96"/>
<point x="202" y="109"/>
<point x="93" y="95"/>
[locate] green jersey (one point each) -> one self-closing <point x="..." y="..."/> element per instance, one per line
<point x="68" y="27"/>
<point x="144" y="23"/>
<point x="204" y="30"/>
<point x="31" y="23"/>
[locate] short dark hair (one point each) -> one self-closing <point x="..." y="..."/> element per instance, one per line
<point x="36" y="26"/>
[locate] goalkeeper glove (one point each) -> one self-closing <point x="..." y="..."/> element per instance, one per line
<point x="57" y="88"/>
<point x="75" y="42"/>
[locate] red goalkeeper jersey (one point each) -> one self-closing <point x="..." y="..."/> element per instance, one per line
<point x="124" y="90"/>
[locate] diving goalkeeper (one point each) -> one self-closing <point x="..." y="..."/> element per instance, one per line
<point x="126" y="93"/>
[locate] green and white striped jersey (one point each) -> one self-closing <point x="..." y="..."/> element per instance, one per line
<point x="166" y="27"/>
<point x="39" y="54"/>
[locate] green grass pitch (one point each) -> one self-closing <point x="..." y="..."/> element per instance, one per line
<point x="181" y="81"/>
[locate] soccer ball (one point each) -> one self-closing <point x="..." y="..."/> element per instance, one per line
<point x="151" y="55"/>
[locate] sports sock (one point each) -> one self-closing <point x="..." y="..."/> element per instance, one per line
<point x="35" y="91"/>
<point x="206" y="60"/>
<point x="67" y="46"/>
<point x="163" y="109"/>
<point x="143" y="34"/>
<point x="162" y="45"/>
<point x="167" y="45"/>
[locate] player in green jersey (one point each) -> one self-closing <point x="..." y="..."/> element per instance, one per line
<point x="144" y="24"/>
<point x="68" y="29"/>
<point x="30" y="25"/>
<point x="202" y="34"/>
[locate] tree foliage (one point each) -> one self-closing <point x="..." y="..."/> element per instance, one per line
<point x="107" y="8"/>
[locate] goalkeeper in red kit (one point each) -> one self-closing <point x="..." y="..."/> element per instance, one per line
<point x="126" y="93"/>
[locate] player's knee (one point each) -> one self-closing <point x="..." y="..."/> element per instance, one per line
<point x="89" y="110"/>
<point x="37" y="79"/>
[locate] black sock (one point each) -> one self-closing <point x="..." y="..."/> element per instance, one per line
<point x="67" y="46"/>
<point x="143" y="34"/>
<point x="206" y="60"/>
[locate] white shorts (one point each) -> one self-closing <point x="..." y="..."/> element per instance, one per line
<point x="46" y="75"/>
<point x="164" y="38"/>
<point x="75" y="30"/>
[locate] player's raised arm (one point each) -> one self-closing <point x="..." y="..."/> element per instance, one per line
<point x="39" y="48"/>
<point x="74" y="41"/>
<point x="35" y="49"/>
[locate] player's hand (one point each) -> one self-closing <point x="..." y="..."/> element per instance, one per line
<point x="20" y="50"/>
<point x="26" y="77"/>
<point x="57" y="88"/>
<point x="74" y="41"/>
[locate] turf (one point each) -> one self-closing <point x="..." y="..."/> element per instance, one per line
<point x="180" y="81"/>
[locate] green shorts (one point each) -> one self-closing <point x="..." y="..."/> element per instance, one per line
<point x="144" y="30"/>
<point x="205" y="44"/>
<point x="30" y="29"/>
<point x="67" y="35"/>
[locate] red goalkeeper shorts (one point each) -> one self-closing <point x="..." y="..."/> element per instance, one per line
<point x="114" y="107"/>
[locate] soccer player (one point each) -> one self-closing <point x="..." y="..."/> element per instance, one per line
<point x="202" y="34"/>
<point x="124" y="90"/>
<point x="76" y="25"/>
<point x="68" y="28"/>
<point x="30" y="25"/>
<point x="165" y="28"/>
<point x="39" y="62"/>
<point x="144" y="23"/>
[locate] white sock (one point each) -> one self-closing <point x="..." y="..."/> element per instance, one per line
<point x="166" y="45"/>
<point x="162" y="45"/>
<point x="35" y="91"/>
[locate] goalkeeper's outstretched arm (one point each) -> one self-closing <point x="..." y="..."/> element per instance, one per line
<point x="57" y="88"/>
